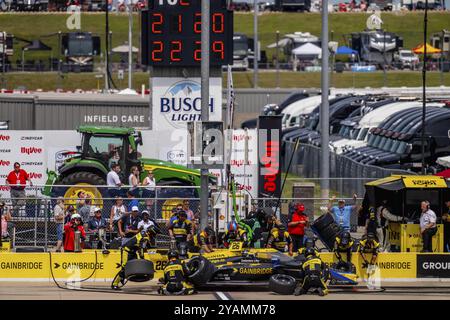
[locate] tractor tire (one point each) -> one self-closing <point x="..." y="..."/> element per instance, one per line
<point x="76" y="178"/>
<point x="139" y="270"/>
<point x="282" y="284"/>
<point x="201" y="270"/>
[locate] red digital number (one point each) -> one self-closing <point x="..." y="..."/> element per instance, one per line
<point x="184" y="3"/>
<point x="158" y="48"/>
<point x="198" y="51"/>
<point x="176" y="49"/>
<point x="176" y="23"/>
<point x="198" y="23"/>
<point x="217" y="47"/>
<point x="158" y="23"/>
<point x="217" y="23"/>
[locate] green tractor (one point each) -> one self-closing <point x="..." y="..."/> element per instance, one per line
<point x="100" y="147"/>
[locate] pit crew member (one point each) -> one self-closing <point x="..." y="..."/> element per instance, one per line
<point x="279" y="238"/>
<point x="369" y="245"/>
<point x="234" y="233"/>
<point x="314" y="273"/>
<point x="344" y="244"/>
<point x="180" y="230"/>
<point x="202" y="241"/>
<point x="175" y="276"/>
<point x="135" y="248"/>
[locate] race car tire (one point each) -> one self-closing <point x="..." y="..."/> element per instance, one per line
<point x="282" y="284"/>
<point x="139" y="270"/>
<point x="323" y="221"/>
<point x="201" y="270"/>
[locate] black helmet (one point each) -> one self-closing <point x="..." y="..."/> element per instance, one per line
<point x="310" y="252"/>
<point x="345" y="237"/>
<point x="309" y="243"/>
<point x="209" y="231"/>
<point x="173" y="254"/>
<point x="182" y="213"/>
<point x="281" y="227"/>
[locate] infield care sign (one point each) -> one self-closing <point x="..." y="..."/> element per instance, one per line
<point x="176" y="101"/>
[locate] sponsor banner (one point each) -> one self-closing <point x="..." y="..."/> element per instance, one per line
<point x="424" y="182"/>
<point x="36" y="151"/>
<point x="390" y="265"/>
<point x="176" y="101"/>
<point x="269" y="152"/>
<point x="433" y="265"/>
<point x="68" y="266"/>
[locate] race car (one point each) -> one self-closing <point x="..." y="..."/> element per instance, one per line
<point x="250" y="266"/>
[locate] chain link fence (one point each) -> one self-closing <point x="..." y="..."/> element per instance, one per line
<point x="33" y="222"/>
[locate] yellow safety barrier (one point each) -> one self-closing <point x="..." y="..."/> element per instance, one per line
<point x="77" y="266"/>
<point x="411" y="238"/>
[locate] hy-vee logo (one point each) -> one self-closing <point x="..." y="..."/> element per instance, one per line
<point x="424" y="183"/>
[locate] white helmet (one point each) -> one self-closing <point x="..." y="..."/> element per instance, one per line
<point x="75" y="216"/>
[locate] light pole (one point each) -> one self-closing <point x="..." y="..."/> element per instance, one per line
<point x="205" y="29"/>
<point x="130" y="43"/>
<point x="324" y="108"/>
<point x="424" y="82"/>
<point x="255" y="44"/>
<point x="278" y="60"/>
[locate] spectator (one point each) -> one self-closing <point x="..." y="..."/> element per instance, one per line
<point x="149" y="183"/>
<point x="6" y="217"/>
<point x="58" y="212"/>
<point x="133" y="181"/>
<point x="146" y="222"/>
<point x="17" y="181"/>
<point x="113" y="181"/>
<point x="428" y="226"/>
<point x="132" y="201"/>
<point x="80" y="202"/>
<point x="189" y="212"/>
<point x="85" y="210"/>
<point x="296" y="226"/>
<point x="75" y="224"/>
<point x="117" y="211"/>
<point x="446" y="223"/>
<point x="128" y="225"/>
<point x="70" y="212"/>
<point x="342" y="212"/>
<point x="97" y="221"/>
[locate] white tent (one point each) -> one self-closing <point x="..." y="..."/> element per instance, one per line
<point x="444" y="161"/>
<point x="124" y="49"/>
<point x="308" y="49"/>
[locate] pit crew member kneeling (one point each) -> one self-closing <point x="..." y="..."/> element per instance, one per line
<point x="279" y="238"/>
<point x="202" y="241"/>
<point x="314" y="274"/>
<point x="175" y="276"/>
<point x="135" y="248"/>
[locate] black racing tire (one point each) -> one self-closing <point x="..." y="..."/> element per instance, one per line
<point x="329" y="233"/>
<point x="139" y="270"/>
<point x="202" y="270"/>
<point x="282" y="284"/>
<point x="323" y="221"/>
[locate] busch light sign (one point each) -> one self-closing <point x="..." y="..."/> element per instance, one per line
<point x="176" y="101"/>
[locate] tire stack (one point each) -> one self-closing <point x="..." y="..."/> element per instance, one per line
<point x="326" y="229"/>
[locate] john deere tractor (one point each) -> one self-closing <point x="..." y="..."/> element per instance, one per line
<point x="100" y="147"/>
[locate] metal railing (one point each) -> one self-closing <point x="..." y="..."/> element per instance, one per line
<point x="33" y="222"/>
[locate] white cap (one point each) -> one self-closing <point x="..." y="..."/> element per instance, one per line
<point x="75" y="216"/>
<point x="134" y="208"/>
<point x="145" y="212"/>
<point x="97" y="209"/>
